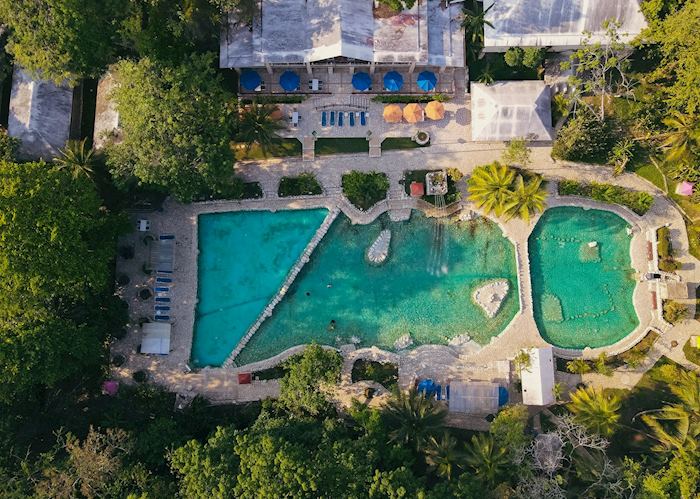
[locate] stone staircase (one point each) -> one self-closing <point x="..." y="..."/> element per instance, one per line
<point x="291" y="276"/>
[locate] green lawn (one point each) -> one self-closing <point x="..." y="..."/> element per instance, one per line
<point x="392" y="143"/>
<point x="341" y="146"/>
<point x="652" y="174"/>
<point x="278" y="149"/>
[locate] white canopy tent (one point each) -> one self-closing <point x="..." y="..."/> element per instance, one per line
<point x="156" y="338"/>
<point x="538" y="379"/>
<point x="507" y="110"/>
<point x="474" y="397"/>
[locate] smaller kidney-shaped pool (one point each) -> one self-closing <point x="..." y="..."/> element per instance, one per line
<point x="582" y="278"/>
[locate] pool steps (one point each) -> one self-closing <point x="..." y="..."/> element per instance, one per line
<point x="291" y="276"/>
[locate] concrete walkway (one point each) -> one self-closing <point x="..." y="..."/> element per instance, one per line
<point x="438" y="362"/>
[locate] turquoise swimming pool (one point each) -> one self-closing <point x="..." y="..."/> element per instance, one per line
<point x="424" y="289"/>
<point x="582" y="278"/>
<point x="243" y="259"/>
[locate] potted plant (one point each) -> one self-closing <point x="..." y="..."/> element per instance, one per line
<point x="421" y="138"/>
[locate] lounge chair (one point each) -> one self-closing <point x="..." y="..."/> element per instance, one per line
<point x="363" y="120"/>
<point x="161" y="308"/>
<point x="163" y="318"/>
<point x="162" y="289"/>
<point x="162" y="299"/>
<point x="323" y="119"/>
<point x="164" y="280"/>
<point x="332" y="118"/>
<point x="351" y="115"/>
<point x="340" y="118"/>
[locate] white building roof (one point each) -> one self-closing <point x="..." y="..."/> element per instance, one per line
<point x="538" y="379"/>
<point x="475" y="397"/>
<point x="300" y="31"/>
<point x="558" y="24"/>
<point x="40" y="115"/>
<point x="510" y="109"/>
<point x="156" y="338"/>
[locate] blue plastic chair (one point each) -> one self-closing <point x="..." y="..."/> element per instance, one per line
<point x="164" y="280"/>
<point x="162" y="289"/>
<point x="352" y="119"/>
<point x="363" y="120"/>
<point x="162" y="307"/>
<point x="164" y="318"/>
<point x="332" y="118"/>
<point x="323" y="119"/>
<point x="162" y="299"/>
<point x="340" y="118"/>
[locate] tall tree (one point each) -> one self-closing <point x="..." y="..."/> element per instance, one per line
<point x="489" y="187"/>
<point x="412" y="419"/>
<point x="77" y="159"/>
<point x="444" y="455"/>
<point x="681" y="143"/>
<point x="595" y="410"/>
<point x="486" y="458"/>
<point x="257" y="125"/>
<point x="526" y="198"/>
<point x="63" y="39"/>
<point x="473" y="22"/>
<point x="177" y="125"/>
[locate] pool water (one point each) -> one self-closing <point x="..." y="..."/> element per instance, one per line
<point x="423" y="289"/>
<point x="582" y="292"/>
<point x="244" y="258"/>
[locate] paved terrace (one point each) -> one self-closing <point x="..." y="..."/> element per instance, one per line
<point x="438" y="362"/>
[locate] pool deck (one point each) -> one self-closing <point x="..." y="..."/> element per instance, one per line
<point x="438" y="362"/>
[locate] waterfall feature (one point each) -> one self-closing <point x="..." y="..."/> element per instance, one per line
<point x="439" y="253"/>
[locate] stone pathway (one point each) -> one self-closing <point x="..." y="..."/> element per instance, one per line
<point x="438" y="362"/>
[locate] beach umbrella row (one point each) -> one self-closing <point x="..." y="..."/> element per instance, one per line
<point x="413" y="113"/>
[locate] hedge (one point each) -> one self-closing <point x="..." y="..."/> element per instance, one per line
<point x="303" y="185"/>
<point x="407" y="99"/>
<point x="638" y="202"/>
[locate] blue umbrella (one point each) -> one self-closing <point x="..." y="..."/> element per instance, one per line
<point x="289" y="81"/>
<point x="361" y="81"/>
<point x="393" y="81"/>
<point x="250" y="80"/>
<point x="427" y="81"/>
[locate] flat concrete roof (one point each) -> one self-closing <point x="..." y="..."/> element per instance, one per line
<point x="40" y="115"/>
<point x="301" y="31"/>
<point x="538" y="379"/>
<point x="511" y="109"/>
<point x="559" y="24"/>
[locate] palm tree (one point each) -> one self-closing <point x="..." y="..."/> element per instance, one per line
<point x="526" y="199"/>
<point x="473" y="22"/>
<point x="413" y="419"/>
<point x="683" y="140"/>
<point x="620" y="155"/>
<point x="677" y="426"/>
<point x="487" y="459"/>
<point x="489" y="187"/>
<point x="595" y="410"/>
<point x="77" y="159"/>
<point x="258" y="126"/>
<point x="443" y="455"/>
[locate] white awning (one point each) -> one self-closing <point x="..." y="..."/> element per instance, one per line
<point x="474" y="397"/>
<point x="156" y="338"/>
<point x="538" y="379"/>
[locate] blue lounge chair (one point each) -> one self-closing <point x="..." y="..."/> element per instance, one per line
<point x="323" y="119"/>
<point x="164" y="280"/>
<point x="352" y="119"/>
<point x="363" y="120"/>
<point x="332" y="118"/>
<point x="439" y="392"/>
<point x="162" y="307"/>
<point x="340" y="118"/>
<point x="162" y="289"/>
<point x="162" y="299"/>
<point x="447" y="392"/>
<point x="167" y="236"/>
<point x="164" y="318"/>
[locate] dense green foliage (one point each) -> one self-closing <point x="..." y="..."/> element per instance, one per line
<point x="666" y="261"/>
<point x="8" y="146"/>
<point x="407" y="99"/>
<point x="384" y="373"/>
<point x="364" y="190"/>
<point x="498" y="189"/>
<point x="177" y="123"/>
<point x="637" y="201"/>
<point x="63" y="39"/>
<point x="302" y="185"/>
<point x="584" y="138"/>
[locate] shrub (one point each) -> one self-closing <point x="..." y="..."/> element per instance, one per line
<point x="666" y="261"/>
<point x="560" y="107"/>
<point x="601" y="365"/>
<point x="455" y="174"/>
<point x="533" y="57"/>
<point x="126" y="252"/>
<point x="140" y="376"/>
<point x="386" y="374"/>
<point x="123" y="280"/>
<point x="578" y="366"/>
<point x="8" y="146"/>
<point x="364" y="190"/>
<point x="407" y="99"/>
<point x="303" y="185"/>
<point x="584" y="138"/>
<point x="514" y="56"/>
<point x="674" y="311"/>
<point x="517" y="153"/>
<point x="118" y="360"/>
<point x="637" y="201"/>
<point x="275" y="99"/>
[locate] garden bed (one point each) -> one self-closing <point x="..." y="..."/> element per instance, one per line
<point x="386" y="374"/>
<point x="637" y="201"/>
<point x="419" y="176"/>
<point x="303" y="185"/>
<point x="663" y="245"/>
<point x="279" y="148"/>
<point x="394" y="143"/>
<point x="408" y="99"/>
<point x="364" y="190"/>
<point x="341" y="146"/>
<point x="630" y="357"/>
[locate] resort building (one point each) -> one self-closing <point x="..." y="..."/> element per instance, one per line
<point x="509" y="109"/>
<point x="40" y="115"/>
<point x="559" y="25"/>
<point x="538" y="379"/>
<point x="316" y="38"/>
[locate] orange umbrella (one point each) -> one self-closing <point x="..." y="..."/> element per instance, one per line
<point x="392" y="113"/>
<point x="276" y="114"/>
<point x="435" y="110"/>
<point x="413" y="113"/>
